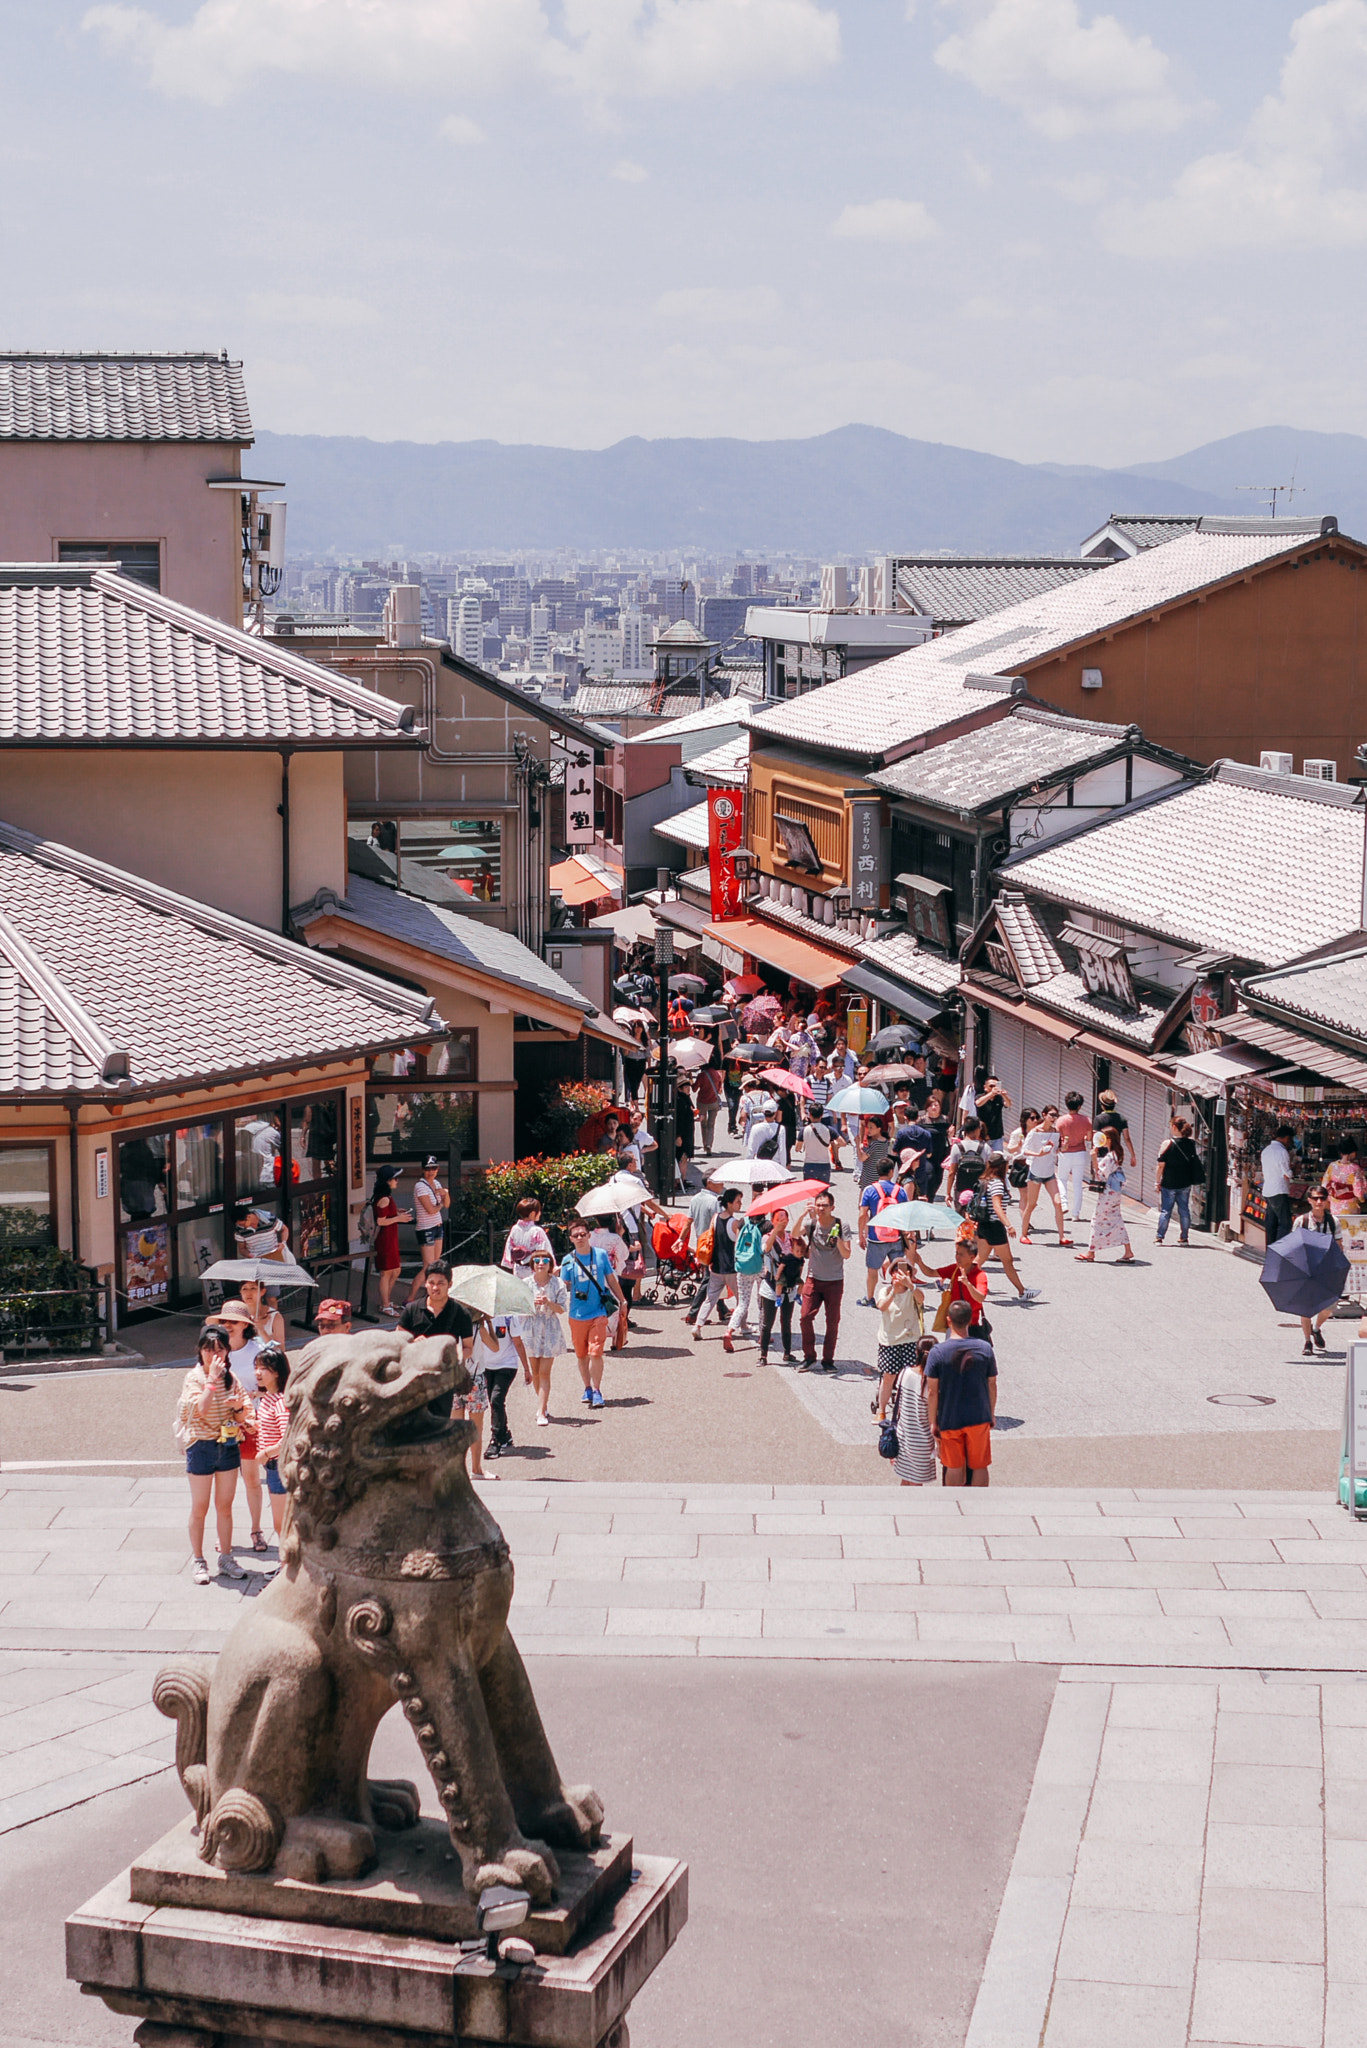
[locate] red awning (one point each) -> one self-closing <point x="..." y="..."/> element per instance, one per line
<point x="810" y="964"/>
<point x="578" y="884"/>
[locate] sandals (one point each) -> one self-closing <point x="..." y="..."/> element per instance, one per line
<point x="259" y="1543"/>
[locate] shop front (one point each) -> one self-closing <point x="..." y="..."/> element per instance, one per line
<point x="188" y="1194"/>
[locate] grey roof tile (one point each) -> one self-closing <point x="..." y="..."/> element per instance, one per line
<point x="902" y="956"/>
<point x="979" y="769"/>
<point x="953" y="591"/>
<point x="1067" y="994"/>
<point x="1262" y="867"/>
<point x="173" y="397"/>
<point x="103" y="974"/>
<point x="685" y="828"/>
<point x="924" y="688"/>
<point x="451" y="934"/>
<point x="726" y="766"/>
<point x="1032" y="948"/>
<point x="1332" y="992"/>
<point x="87" y="655"/>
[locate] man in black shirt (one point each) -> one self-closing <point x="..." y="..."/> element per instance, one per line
<point x="438" y="1316"/>
<point x="992" y="1104"/>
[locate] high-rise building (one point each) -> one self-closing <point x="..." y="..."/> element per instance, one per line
<point x="637" y="659"/>
<point x="465" y="628"/>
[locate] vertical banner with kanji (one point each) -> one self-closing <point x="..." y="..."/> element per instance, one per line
<point x="579" y="797"/>
<point x="866" y="854"/>
<point x="725" y="831"/>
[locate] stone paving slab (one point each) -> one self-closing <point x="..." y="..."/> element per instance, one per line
<point x="1190" y="1870"/>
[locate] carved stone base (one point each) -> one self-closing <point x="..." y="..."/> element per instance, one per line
<point x="202" y="1979"/>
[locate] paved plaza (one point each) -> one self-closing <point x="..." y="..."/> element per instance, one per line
<point x="1077" y="1758"/>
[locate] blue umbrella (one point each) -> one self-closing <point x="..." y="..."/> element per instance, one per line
<point x="1304" y="1272"/>
<point x="859" y="1102"/>
<point x="911" y="1215"/>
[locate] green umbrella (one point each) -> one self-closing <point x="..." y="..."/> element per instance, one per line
<point x="489" y="1291"/>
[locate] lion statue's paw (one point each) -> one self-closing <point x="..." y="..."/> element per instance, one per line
<point x="395" y="1803"/>
<point x="530" y="1868"/>
<point x="575" y="1821"/>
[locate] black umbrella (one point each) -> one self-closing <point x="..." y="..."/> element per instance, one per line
<point x="712" y="1013"/>
<point x="752" y="1052"/>
<point x="896" y="1038"/>
<point x="1304" y="1272"/>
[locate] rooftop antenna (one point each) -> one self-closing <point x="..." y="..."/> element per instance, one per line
<point x="1274" y="491"/>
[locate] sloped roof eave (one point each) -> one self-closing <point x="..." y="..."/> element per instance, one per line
<point x="445" y="966"/>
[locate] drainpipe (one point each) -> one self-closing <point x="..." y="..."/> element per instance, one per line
<point x="284" y="809"/>
<point x="73" y="1110"/>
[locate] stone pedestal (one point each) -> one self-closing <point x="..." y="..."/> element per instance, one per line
<point x="203" y="1977"/>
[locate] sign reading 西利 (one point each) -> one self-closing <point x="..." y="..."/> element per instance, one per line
<point x="866" y="854"/>
<point x="725" y="832"/>
<point x="579" y="797"/>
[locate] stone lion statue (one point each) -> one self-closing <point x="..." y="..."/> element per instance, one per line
<point x="395" y="1586"/>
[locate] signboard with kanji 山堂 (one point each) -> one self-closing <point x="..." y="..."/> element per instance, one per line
<point x="725" y="832"/>
<point x="579" y="797"/>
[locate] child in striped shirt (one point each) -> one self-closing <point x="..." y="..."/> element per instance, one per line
<point x="272" y="1420"/>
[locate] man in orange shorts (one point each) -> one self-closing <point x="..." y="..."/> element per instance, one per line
<point x="961" y="1400"/>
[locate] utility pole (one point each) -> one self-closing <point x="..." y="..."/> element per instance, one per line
<point x="663" y="1103"/>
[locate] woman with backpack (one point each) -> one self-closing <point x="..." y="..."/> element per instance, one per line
<point x="1179" y="1171"/>
<point x="987" y="1212"/>
<point x="878" y="1243"/>
<point x="1108" y="1224"/>
<point x="749" y="1266"/>
<point x="719" y="1257"/>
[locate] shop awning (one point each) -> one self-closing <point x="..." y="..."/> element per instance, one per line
<point x="1335" y="1066"/>
<point x="633" y="923"/>
<point x="1205" y="1073"/>
<point x="895" y="994"/>
<point x="576" y="882"/>
<point x="809" y="964"/>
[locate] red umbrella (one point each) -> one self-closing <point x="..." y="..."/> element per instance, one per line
<point x="781" y="1078"/>
<point x="744" y="985"/>
<point x="786" y="1196"/>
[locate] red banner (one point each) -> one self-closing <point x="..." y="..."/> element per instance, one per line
<point x="725" y="832"/>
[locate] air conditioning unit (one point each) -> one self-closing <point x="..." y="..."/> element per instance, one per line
<point x="1091" y="679"/>
<point x="1322" y="771"/>
<point x="1277" y="764"/>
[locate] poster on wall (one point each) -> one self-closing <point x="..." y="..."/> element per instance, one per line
<point x="725" y="832"/>
<point x="315" y="1226"/>
<point x="147" y="1261"/>
<point x="1353" y="1238"/>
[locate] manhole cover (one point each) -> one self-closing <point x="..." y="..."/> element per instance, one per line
<point x="1242" y="1400"/>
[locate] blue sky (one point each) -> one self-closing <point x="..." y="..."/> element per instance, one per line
<point x="1039" y="227"/>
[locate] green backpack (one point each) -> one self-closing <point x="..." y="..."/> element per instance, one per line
<point x="749" y="1248"/>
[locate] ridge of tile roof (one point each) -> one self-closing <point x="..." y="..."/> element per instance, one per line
<point x="724" y="711"/>
<point x="726" y="764"/>
<point x="900" y="954"/>
<point x="1331" y="991"/>
<point x="953" y="589"/>
<point x="89" y="656"/>
<point x="103" y="978"/>
<point x="1032" y="947"/>
<point x="1177" y="863"/>
<point x="915" y="692"/>
<point x="190" y="395"/>
<point x="441" y="929"/>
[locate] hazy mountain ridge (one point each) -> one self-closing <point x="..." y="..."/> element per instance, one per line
<point x="857" y="489"/>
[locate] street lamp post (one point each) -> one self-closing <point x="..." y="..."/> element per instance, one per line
<point x="664" y="1084"/>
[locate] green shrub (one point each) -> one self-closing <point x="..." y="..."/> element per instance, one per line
<point x="43" y="1288"/>
<point x="490" y="1197"/>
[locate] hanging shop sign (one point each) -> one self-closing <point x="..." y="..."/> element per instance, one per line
<point x="725" y="832"/>
<point x="579" y="797"/>
<point x="867" y="878"/>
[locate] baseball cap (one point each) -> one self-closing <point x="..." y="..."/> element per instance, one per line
<point x="335" y="1311"/>
<point x="428" y="1163"/>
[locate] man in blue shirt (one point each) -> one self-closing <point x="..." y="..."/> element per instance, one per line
<point x="961" y="1401"/>
<point x="592" y="1288"/>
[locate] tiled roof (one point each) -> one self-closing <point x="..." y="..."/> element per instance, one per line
<point x="1068" y="995"/>
<point x="1032" y="949"/>
<point x="190" y="397"/>
<point x="453" y="935"/>
<point x="87" y="655"/>
<point x="910" y="962"/>
<point x="768" y="910"/>
<point x="952" y="590"/>
<point x="685" y="828"/>
<point x="105" y="979"/>
<point x="978" y="770"/>
<point x="915" y="692"/>
<point x="727" y="765"/>
<point x="725" y="711"/>
<point x="1332" y="991"/>
<point x="612" y="700"/>
<point x="1263" y="867"/>
<point x="1155" y="529"/>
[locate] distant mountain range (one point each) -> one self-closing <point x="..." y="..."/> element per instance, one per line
<point x="856" y="490"/>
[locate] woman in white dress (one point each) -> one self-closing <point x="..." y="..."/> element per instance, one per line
<point x="1108" y="1224"/>
<point x="540" y="1332"/>
<point x="915" y="1460"/>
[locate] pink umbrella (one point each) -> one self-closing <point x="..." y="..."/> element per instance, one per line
<point x="761" y="1011"/>
<point x="743" y="985"/>
<point x="787" y="1196"/>
<point x="782" y="1079"/>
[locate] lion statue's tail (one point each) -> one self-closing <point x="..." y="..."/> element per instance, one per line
<point x="181" y="1691"/>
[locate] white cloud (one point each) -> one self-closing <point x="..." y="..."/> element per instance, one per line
<point x="461" y="130"/>
<point x="979" y="173"/>
<point x="630" y="173"/>
<point x="886" y="220"/>
<point x="1287" y="186"/>
<point x="309" y="309"/>
<point x="1066" y="76"/>
<point x="652" y="48"/>
<point x="709" y="305"/>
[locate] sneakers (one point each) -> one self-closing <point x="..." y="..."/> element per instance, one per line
<point x="199" y="1571"/>
<point x="1030" y="1294"/>
<point x="828" y="1365"/>
<point x="697" y="1335"/>
<point x="1317" y="1337"/>
<point x="597" y="1397"/>
<point x="807" y="1365"/>
<point x="492" y="1450"/>
<point x="586" y="1398"/>
<point x="726" y="1343"/>
<point x="790" y="1358"/>
<point x="228" y="1567"/>
<point x="1307" y="1349"/>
